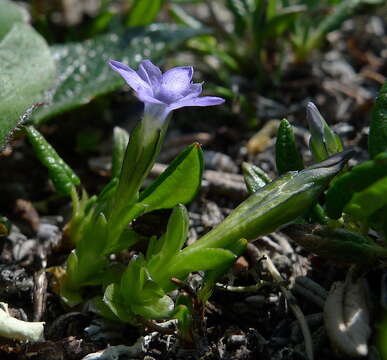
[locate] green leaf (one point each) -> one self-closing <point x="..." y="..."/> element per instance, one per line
<point x="26" y="70"/>
<point x="199" y="259"/>
<point x="274" y="205"/>
<point x="177" y="231"/>
<point x="288" y="157"/>
<point x="127" y="239"/>
<point x="377" y="140"/>
<point x="60" y="173"/>
<point x="120" y="142"/>
<point x="144" y="12"/>
<point x="70" y="297"/>
<point x="179" y="183"/>
<point x="83" y="73"/>
<point x="191" y="260"/>
<point x="211" y="276"/>
<point x="113" y="299"/>
<point x="324" y="142"/>
<point x="160" y="308"/>
<point x="133" y="280"/>
<point x="154" y="246"/>
<point x="357" y="179"/>
<point x="368" y="201"/>
<point x="10" y="14"/>
<point x="69" y="293"/>
<point x="93" y="242"/>
<point x="86" y="264"/>
<point x="98" y="306"/>
<point x="255" y="178"/>
<point x="172" y="241"/>
<point x="141" y="293"/>
<point x="183" y="315"/>
<point x="337" y="244"/>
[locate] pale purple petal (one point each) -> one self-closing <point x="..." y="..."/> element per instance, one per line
<point x="129" y="75"/>
<point x="175" y="83"/>
<point x="198" y="101"/>
<point x="150" y="73"/>
<point x="193" y="91"/>
<point x="163" y="93"/>
<point x="145" y="97"/>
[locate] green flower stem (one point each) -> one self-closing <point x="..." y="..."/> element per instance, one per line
<point x="143" y="148"/>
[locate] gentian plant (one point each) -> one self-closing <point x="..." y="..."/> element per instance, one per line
<point x="100" y="225"/>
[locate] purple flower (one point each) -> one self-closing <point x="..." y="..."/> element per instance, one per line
<point x="163" y="93"/>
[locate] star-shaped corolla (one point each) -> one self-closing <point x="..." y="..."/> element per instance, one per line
<point x="163" y="93"/>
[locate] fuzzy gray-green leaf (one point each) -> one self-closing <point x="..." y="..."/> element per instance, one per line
<point x="26" y="69"/>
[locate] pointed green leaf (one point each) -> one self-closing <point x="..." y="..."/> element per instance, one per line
<point x="287" y="156"/>
<point x="200" y="259"/>
<point x="357" y="179"/>
<point x="212" y="276"/>
<point x="171" y="242"/>
<point x="120" y="142"/>
<point x="191" y="260"/>
<point x="132" y="281"/>
<point x="159" y="309"/>
<point x="98" y="306"/>
<point x="184" y="317"/>
<point x="368" y="201"/>
<point x="93" y="242"/>
<point x="89" y="267"/>
<point x="113" y="299"/>
<point x="179" y="183"/>
<point x="154" y="247"/>
<point x="177" y="231"/>
<point x="337" y="244"/>
<point x="255" y="178"/>
<point x="126" y="240"/>
<point x="70" y="296"/>
<point x="276" y="204"/>
<point x="62" y="176"/>
<point x="69" y="292"/>
<point x="324" y="142"/>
